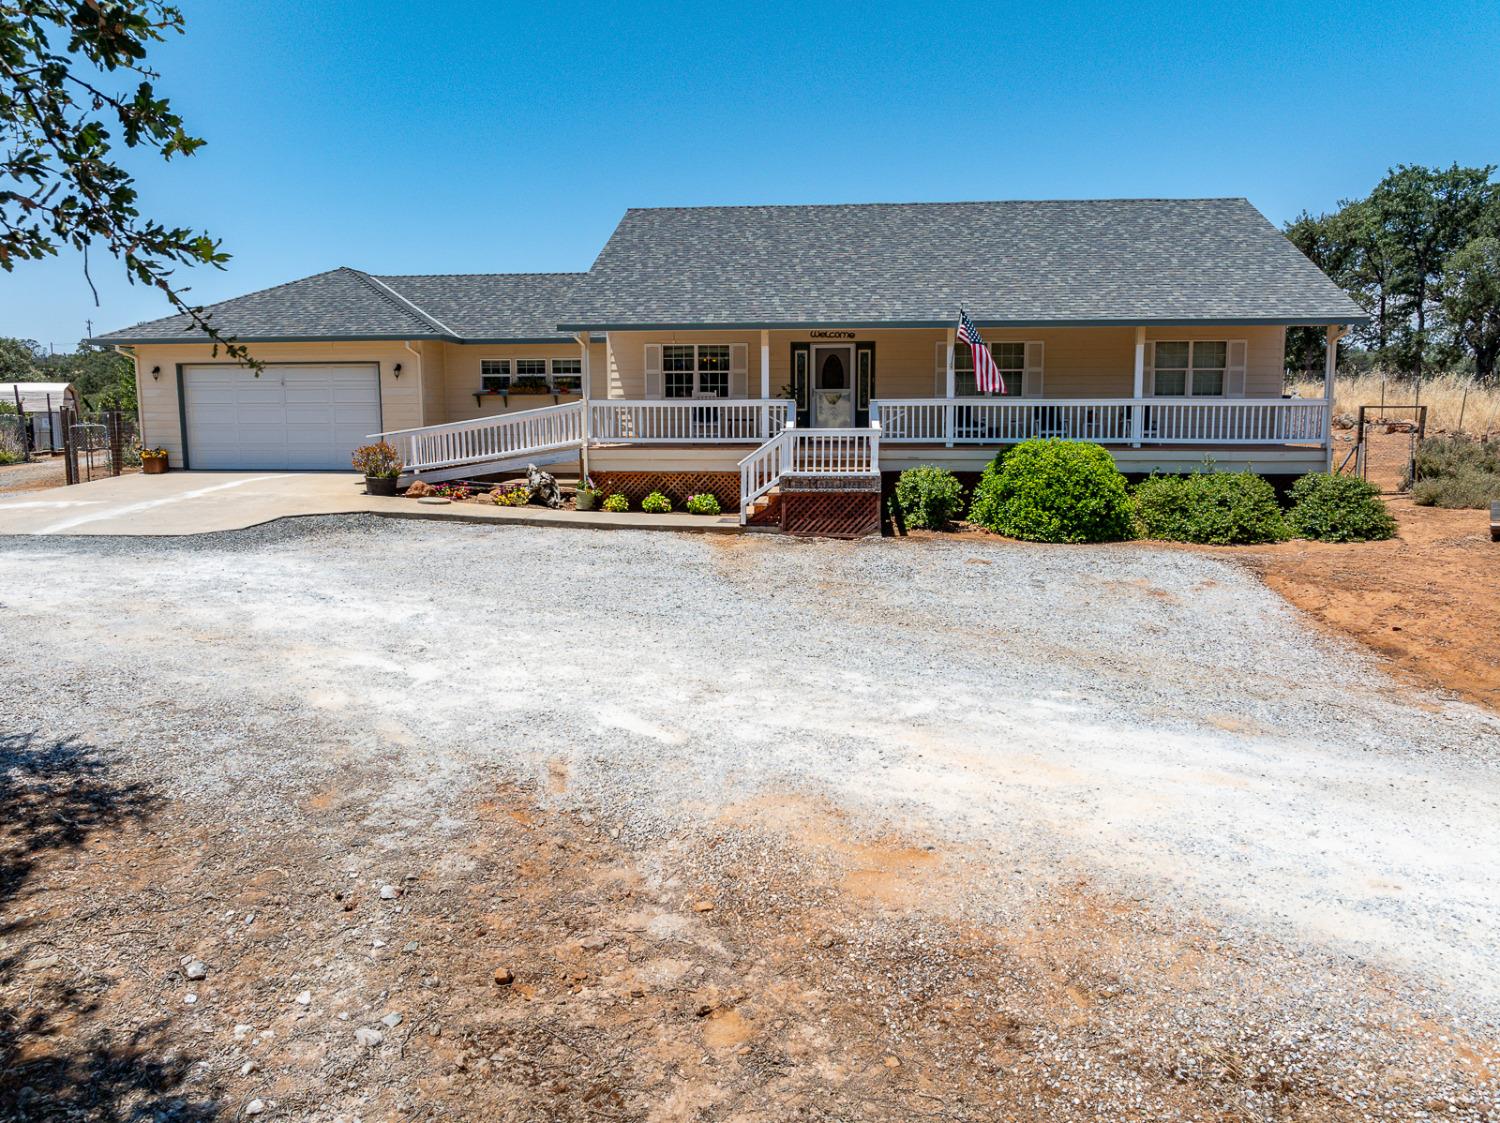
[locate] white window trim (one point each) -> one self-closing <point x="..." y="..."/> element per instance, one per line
<point x="1018" y="382"/>
<point x="549" y="372"/>
<point x="1187" y="380"/>
<point x="697" y="371"/>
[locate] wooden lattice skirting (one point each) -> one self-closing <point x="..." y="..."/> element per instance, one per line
<point x="830" y="514"/>
<point x="676" y="486"/>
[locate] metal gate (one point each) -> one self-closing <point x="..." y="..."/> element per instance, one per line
<point x="96" y="445"/>
<point x="1386" y="442"/>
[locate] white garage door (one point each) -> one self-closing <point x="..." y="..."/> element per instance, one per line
<point x="290" y="417"/>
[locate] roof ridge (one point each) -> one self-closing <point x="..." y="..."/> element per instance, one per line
<point x="527" y="273"/>
<point x="950" y="203"/>
<point x="400" y="301"/>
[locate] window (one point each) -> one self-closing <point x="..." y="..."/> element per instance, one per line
<point x="1009" y="357"/>
<point x="1195" y="368"/>
<point x="567" y="375"/>
<point x="494" y="375"/>
<point x="692" y="370"/>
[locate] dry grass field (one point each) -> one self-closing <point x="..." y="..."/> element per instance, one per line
<point x="1455" y="403"/>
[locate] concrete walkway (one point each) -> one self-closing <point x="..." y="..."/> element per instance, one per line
<point x="205" y="502"/>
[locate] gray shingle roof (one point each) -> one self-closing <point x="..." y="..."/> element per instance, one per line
<point x="340" y="304"/>
<point x="1126" y="261"/>
<point x="491" y="306"/>
<point x="345" y="303"/>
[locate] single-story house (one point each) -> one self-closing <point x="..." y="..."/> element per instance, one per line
<point x="710" y="346"/>
<point x="41" y="404"/>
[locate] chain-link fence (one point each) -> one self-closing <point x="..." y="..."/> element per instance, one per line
<point x="1387" y="437"/>
<point x="14" y="438"/>
<point x="98" y="444"/>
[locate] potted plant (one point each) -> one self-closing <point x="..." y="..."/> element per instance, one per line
<point x="153" y="461"/>
<point x="381" y="465"/>
<point x="586" y="498"/>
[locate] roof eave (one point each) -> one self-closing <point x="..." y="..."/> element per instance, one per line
<point x="200" y="340"/>
<point x="1105" y="322"/>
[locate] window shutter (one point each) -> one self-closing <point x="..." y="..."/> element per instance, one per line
<point x="940" y="370"/>
<point x="653" y="370"/>
<point x="1149" y="389"/>
<point x="1234" y="368"/>
<point x="739" y="364"/>
<point x="1031" y="383"/>
<point x="864" y="382"/>
<point x="801" y="383"/>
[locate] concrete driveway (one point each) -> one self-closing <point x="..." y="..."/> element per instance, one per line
<point x="183" y="502"/>
<point x="208" y="502"/>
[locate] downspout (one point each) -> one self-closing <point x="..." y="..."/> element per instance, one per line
<point x="140" y="414"/>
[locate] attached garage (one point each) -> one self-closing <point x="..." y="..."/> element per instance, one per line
<point x="294" y="416"/>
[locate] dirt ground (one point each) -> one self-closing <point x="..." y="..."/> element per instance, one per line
<point x="544" y="971"/>
<point x="1428" y="600"/>
<point x="34" y="475"/>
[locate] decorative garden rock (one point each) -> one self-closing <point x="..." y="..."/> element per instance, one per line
<point x="543" y="486"/>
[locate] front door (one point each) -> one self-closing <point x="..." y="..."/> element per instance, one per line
<point x="833" y="395"/>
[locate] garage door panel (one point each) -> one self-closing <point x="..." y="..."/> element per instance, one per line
<point x="292" y="416"/>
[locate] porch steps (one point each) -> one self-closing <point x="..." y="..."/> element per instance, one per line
<point x="762" y="506"/>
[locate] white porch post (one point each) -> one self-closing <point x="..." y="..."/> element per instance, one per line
<point x="765" y="384"/>
<point x="588" y="410"/>
<point x="1330" y="369"/>
<point x="952" y="391"/>
<point x="1137" y="413"/>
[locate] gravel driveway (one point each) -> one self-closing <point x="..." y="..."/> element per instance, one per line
<point x="1146" y="727"/>
<point x="1154" y="718"/>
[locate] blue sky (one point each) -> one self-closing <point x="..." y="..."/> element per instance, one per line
<point x="479" y="137"/>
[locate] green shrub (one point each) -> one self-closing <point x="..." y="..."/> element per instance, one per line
<point x="1462" y="490"/>
<point x="656" y="504"/>
<point x="704" y="503"/>
<point x="1456" y="472"/>
<point x="377" y="461"/>
<point x="1054" y="491"/>
<point x="616" y="503"/>
<point x="1209" y="508"/>
<point x="1338" y="509"/>
<point x="928" y="496"/>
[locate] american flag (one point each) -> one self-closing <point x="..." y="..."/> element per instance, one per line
<point x="987" y="376"/>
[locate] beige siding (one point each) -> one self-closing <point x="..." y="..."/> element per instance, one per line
<point x="1078" y="362"/>
<point x="434" y="382"/>
<point x="461" y="362"/>
<point x="400" y="397"/>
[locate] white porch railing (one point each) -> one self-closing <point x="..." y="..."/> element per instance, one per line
<point x="1226" y="421"/>
<point x="833" y="452"/>
<point x="488" y="438"/>
<point x="689" y="420"/>
<point x="808" y="452"/>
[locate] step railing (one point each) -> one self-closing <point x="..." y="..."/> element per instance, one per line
<point x="501" y="437"/>
<point x="808" y="452"/>
<point x="1223" y="421"/>
<point x="689" y="420"/>
<point x="833" y="452"/>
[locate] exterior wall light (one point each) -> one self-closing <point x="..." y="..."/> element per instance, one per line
<point x="398" y="370"/>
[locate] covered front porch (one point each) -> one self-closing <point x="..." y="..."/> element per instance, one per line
<point x="854" y="403"/>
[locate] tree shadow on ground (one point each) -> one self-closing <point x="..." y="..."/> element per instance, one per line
<point x="55" y="794"/>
